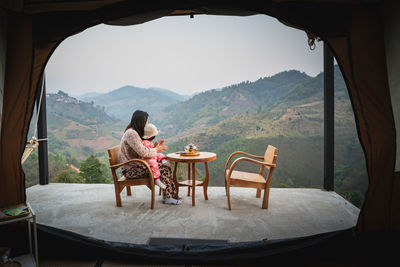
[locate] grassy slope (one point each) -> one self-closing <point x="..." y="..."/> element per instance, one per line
<point x="75" y="131"/>
<point x="294" y="124"/>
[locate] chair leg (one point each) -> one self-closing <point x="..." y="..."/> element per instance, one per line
<point x="228" y="195"/>
<point x="117" y="195"/>
<point x="226" y="191"/>
<point x="258" y="194"/>
<point x="152" y="197"/>
<point x="128" y="190"/>
<point x="266" y="198"/>
<point x="159" y="192"/>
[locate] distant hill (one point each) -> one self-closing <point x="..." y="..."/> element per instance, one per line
<point x="87" y="95"/>
<point x="64" y="106"/>
<point x="212" y="106"/>
<point x="277" y="92"/>
<point x="77" y="129"/>
<point x="172" y="94"/>
<point x="122" y="102"/>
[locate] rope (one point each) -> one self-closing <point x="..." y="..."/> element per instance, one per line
<point x="38" y="109"/>
<point x="34" y="142"/>
<point x="29" y="148"/>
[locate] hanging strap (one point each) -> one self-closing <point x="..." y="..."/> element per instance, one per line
<point x="29" y="148"/>
<point x="38" y="110"/>
<point x="34" y="142"/>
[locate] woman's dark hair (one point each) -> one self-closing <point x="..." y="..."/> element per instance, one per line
<point x="138" y="121"/>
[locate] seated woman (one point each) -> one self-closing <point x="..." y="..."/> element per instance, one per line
<point x="132" y="147"/>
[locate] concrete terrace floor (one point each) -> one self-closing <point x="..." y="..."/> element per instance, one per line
<point x="90" y="209"/>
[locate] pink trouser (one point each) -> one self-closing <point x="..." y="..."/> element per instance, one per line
<point x="153" y="163"/>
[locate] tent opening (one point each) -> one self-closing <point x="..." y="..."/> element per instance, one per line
<point x="283" y="108"/>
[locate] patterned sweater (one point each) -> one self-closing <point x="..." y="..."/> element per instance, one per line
<point x="131" y="147"/>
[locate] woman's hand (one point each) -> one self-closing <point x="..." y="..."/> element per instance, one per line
<point x="160" y="146"/>
<point x="159" y="143"/>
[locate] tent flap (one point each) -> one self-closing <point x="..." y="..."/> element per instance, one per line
<point x="367" y="82"/>
<point x="3" y="54"/>
<point x="392" y="41"/>
<point x="17" y="101"/>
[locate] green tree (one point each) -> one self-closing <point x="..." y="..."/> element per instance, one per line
<point x="92" y="171"/>
<point x="67" y="176"/>
<point x="31" y="170"/>
<point x="56" y="165"/>
<point x="62" y="93"/>
<point x="182" y="172"/>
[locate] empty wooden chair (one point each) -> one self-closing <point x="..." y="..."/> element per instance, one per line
<point x="121" y="182"/>
<point x="250" y="179"/>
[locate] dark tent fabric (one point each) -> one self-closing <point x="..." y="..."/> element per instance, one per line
<point x="17" y="108"/>
<point x="313" y="249"/>
<point x="362" y="59"/>
<point x="317" y="250"/>
<point x="353" y="30"/>
<point x="337" y="248"/>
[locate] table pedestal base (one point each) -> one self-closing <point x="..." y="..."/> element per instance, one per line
<point x="191" y="183"/>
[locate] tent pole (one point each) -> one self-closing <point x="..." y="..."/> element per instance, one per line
<point x="42" y="134"/>
<point x="329" y="119"/>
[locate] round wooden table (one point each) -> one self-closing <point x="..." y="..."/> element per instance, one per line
<point x="191" y="161"/>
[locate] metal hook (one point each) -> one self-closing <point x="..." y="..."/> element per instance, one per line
<point x="311" y="43"/>
<point x="311" y="40"/>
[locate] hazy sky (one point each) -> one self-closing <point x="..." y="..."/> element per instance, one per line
<point x="181" y="54"/>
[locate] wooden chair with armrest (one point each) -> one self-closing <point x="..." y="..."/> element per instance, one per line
<point x="250" y="179"/>
<point x="121" y="182"/>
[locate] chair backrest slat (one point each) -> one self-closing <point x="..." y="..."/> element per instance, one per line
<point x="113" y="154"/>
<point x="270" y="155"/>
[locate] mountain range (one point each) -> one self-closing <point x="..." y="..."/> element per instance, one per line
<point x="120" y="103"/>
<point x="269" y="95"/>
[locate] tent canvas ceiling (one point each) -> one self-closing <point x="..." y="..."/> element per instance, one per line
<point x="354" y="30"/>
<point x="42" y="6"/>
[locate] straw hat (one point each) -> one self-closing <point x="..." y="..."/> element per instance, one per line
<point x="150" y="130"/>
